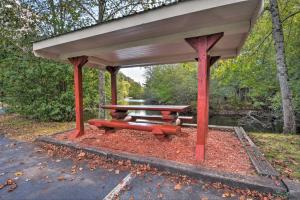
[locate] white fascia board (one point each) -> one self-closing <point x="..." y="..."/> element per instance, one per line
<point x="240" y="27"/>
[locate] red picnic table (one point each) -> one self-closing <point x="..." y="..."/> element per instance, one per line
<point x="122" y="120"/>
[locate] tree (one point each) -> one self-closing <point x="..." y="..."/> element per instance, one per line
<point x="172" y="84"/>
<point x="106" y="10"/>
<point x="282" y="71"/>
<point x="34" y="87"/>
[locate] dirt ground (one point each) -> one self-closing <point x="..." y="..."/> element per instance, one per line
<point x="20" y="128"/>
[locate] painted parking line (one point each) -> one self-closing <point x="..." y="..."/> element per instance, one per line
<point x="119" y="187"/>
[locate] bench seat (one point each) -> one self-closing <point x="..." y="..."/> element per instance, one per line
<point x="158" y="129"/>
<point x="183" y="119"/>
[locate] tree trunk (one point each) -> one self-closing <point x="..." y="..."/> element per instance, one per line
<point x="101" y="88"/>
<point x="286" y="97"/>
<point x="101" y="73"/>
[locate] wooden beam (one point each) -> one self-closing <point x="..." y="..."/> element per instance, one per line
<point x="202" y="45"/>
<point x="211" y="40"/>
<point x="113" y="82"/>
<point x="78" y="63"/>
<point x="213" y="60"/>
<point x="202" y="116"/>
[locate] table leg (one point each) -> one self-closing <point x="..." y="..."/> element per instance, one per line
<point x="169" y="116"/>
<point x="118" y="114"/>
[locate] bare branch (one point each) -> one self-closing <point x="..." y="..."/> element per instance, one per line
<point x="268" y="35"/>
<point x="87" y="10"/>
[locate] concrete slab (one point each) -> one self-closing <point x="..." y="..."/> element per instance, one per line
<point x="293" y="188"/>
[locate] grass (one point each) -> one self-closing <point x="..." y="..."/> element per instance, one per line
<point x="282" y="150"/>
<point x="23" y="129"/>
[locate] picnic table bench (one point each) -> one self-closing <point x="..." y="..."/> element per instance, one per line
<point x="182" y="119"/>
<point x="122" y="120"/>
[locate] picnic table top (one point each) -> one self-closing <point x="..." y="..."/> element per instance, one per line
<point x="173" y="108"/>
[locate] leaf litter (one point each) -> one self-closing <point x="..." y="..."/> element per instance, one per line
<point x="179" y="181"/>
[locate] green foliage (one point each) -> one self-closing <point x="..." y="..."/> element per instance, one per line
<point x="135" y="90"/>
<point x="39" y="88"/>
<point x="255" y="68"/>
<point x="172" y="84"/>
<point x="246" y="82"/>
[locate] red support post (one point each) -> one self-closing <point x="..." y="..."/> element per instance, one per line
<point x="78" y="63"/>
<point x="202" y="45"/>
<point x="113" y="82"/>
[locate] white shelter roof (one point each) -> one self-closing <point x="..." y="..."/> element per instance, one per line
<point x="158" y="36"/>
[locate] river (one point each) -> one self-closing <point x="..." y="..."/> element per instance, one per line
<point x="217" y="119"/>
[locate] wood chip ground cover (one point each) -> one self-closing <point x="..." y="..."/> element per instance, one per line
<point x="224" y="151"/>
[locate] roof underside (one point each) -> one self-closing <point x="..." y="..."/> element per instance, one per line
<point x="158" y="36"/>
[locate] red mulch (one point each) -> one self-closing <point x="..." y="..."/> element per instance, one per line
<point x="223" y="151"/>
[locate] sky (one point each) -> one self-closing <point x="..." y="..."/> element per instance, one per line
<point x="136" y="73"/>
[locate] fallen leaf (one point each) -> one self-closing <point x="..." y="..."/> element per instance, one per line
<point x="277" y="183"/>
<point x="81" y="154"/>
<point x="128" y="162"/>
<point x="61" y="178"/>
<point x="117" y="171"/>
<point x="226" y="194"/>
<point x="177" y="151"/>
<point x="12" y="187"/>
<point x="204" y="198"/>
<point x="160" y="196"/>
<point x="19" y="174"/>
<point x="50" y="152"/>
<point x="9" y="182"/>
<point x="120" y="162"/>
<point x="177" y="187"/>
<point x="242" y="197"/>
